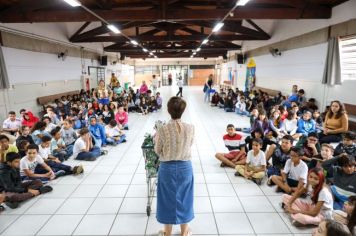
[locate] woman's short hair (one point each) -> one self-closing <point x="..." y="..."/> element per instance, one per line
<point x="176" y="107"/>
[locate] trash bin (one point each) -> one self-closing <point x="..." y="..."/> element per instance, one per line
<point x="126" y="85"/>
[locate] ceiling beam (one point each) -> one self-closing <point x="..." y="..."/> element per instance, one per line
<point x="79" y="15"/>
<point x="114" y="48"/>
<point x="174" y="38"/>
<point x="175" y="55"/>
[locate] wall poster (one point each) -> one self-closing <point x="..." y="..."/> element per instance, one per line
<point x="250" y="75"/>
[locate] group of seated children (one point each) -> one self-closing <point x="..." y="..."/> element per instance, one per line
<point x="31" y="156"/>
<point x="318" y="180"/>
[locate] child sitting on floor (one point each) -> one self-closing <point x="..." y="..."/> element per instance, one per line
<point x="235" y="143"/>
<point x="53" y="162"/>
<point x="83" y="147"/>
<point x="15" y="190"/>
<point x="58" y="147"/>
<point x="294" y="175"/>
<point x="29" y="163"/>
<point x="255" y="166"/>
<point x="317" y="207"/>
<point x="113" y="133"/>
<point x="348" y="145"/>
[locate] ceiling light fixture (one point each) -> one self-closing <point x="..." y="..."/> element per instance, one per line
<point x="114" y="29"/>
<point x="151" y="53"/>
<point x="198" y="49"/>
<point x="242" y="2"/>
<point x="205" y="41"/>
<point x="134" y="42"/>
<point x="73" y="3"/>
<point x="194" y="53"/>
<point x="218" y="26"/>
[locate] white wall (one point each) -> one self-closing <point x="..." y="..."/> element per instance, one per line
<point x="34" y="74"/>
<point x="304" y="67"/>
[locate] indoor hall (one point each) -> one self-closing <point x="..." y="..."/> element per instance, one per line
<point x="176" y="117"/>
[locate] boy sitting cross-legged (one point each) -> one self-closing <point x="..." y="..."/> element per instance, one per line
<point x="53" y="162"/>
<point x="15" y="190"/>
<point x="235" y="143"/>
<point x="294" y="175"/>
<point x="255" y="166"/>
<point x="29" y="163"/>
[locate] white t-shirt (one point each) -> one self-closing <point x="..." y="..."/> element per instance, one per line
<point x="8" y="124"/>
<point x="26" y="164"/>
<point x="256" y="161"/>
<point x="296" y="172"/>
<point x="79" y="145"/>
<point x="111" y="132"/>
<point x="326" y="197"/>
<point x="43" y="152"/>
<point x="180" y="83"/>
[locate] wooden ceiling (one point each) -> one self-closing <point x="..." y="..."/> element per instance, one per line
<point x="170" y="28"/>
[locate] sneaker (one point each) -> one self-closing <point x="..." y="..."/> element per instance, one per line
<point x="59" y="173"/>
<point x="78" y="170"/>
<point x="45" y="189"/>
<point x="269" y="181"/>
<point x="237" y="173"/>
<point x="103" y="152"/>
<point x="12" y="205"/>
<point x="257" y="181"/>
<point x="124" y="141"/>
<point x="126" y="128"/>
<point x="222" y="164"/>
<point x="283" y="205"/>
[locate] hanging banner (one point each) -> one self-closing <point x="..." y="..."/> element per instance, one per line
<point x="250" y="75"/>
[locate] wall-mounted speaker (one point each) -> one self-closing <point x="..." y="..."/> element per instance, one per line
<point x="104" y="60"/>
<point x="240" y="59"/>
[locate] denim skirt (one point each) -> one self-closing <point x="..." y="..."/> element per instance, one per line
<point x="175" y="194"/>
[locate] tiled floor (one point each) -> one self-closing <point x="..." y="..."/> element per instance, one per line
<point x="110" y="198"/>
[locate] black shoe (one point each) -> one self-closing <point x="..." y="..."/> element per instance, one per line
<point x="283" y="206"/>
<point x="124" y="141"/>
<point x="237" y="173"/>
<point x="12" y="205"/>
<point x="279" y="190"/>
<point x="222" y="164"/>
<point x="257" y="181"/>
<point x="103" y="152"/>
<point x="45" y="189"/>
<point x="60" y="173"/>
<point x="126" y="128"/>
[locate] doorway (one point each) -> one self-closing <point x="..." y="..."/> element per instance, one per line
<point x="172" y="73"/>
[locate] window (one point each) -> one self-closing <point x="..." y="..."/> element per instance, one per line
<point x="348" y="57"/>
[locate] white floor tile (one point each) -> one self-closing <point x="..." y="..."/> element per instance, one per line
<point x="137" y="191"/>
<point x="113" y="191"/>
<point x="233" y="223"/>
<point x="129" y="224"/>
<point x="120" y="179"/>
<point x="76" y="206"/>
<point x="45" y="206"/>
<point x="6" y="220"/>
<point x="95" y="178"/>
<point x="133" y="205"/>
<point x="95" y="225"/>
<point x="202" y="205"/>
<point x="247" y="190"/>
<point x="27" y="225"/>
<point x="61" y="191"/>
<point x="55" y="226"/>
<point x="256" y="204"/>
<point x="226" y="204"/>
<point x="221" y="190"/>
<point x="105" y="206"/>
<point x="203" y="224"/>
<point x="216" y="178"/>
<point x="87" y="191"/>
<point x="200" y="190"/>
<point x="268" y="223"/>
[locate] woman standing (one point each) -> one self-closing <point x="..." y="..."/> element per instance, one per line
<point x="207" y="88"/>
<point x="336" y="123"/>
<point x="173" y="143"/>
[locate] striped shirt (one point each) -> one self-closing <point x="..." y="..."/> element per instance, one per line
<point x="234" y="142"/>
